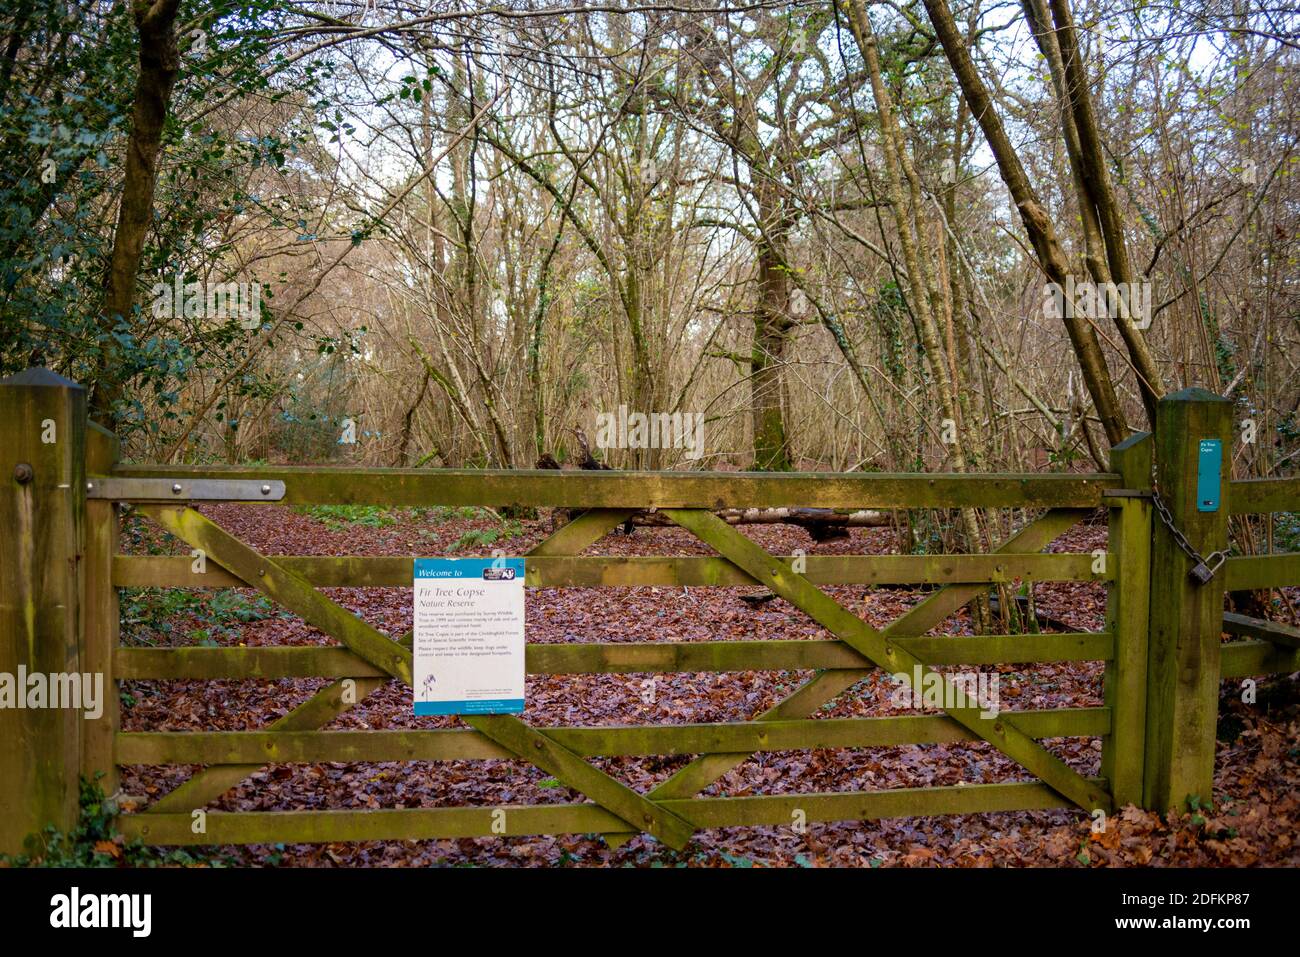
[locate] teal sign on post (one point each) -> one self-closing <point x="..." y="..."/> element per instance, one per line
<point x="1208" y="463"/>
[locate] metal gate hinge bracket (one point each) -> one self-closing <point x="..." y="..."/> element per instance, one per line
<point x="184" y="490"/>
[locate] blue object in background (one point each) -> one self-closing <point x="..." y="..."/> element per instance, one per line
<point x="1208" y="464"/>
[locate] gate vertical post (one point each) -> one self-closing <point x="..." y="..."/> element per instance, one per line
<point x="42" y="508"/>
<point x="1186" y="618"/>
<point x="100" y="635"/>
<point x="1127" y="617"/>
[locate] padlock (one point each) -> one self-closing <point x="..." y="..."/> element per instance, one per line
<point x="1203" y="570"/>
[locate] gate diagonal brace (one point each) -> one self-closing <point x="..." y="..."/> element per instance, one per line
<point x="530" y="744"/>
<point x="872" y="644"/>
<point x="327" y="704"/>
<point x="826" y="686"/>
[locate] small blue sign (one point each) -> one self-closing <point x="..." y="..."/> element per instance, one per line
<point x="1208" y="465"/>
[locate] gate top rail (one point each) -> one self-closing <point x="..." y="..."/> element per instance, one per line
<point x="326" y="485"/>
<point x="1247" y="496"/>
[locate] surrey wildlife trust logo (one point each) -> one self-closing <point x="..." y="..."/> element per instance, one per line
<point x="209" y="300"/>
<point x="75" y="909"/>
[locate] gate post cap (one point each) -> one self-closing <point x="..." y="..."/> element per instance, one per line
<point x="1193" y="394"/>
<point x="41" y="377"/>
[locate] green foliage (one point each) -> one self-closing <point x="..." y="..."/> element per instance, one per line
<point x="1196" y="804"/>
<point x="65" y="108"/>
<point x="927" y="533"/>
<point x="1286" y="531"/>
<point x="520" y="512"/>
<point x="95" y="842"/>
<point x="736" y="860"/>
<point x="156" y="615"/>
<point x="438" y="514"/>
<point x="1065" y="455"/>
<point x="889" y="311"/>
<point x="482" y="538"/>
<point x="312" y="389"/>
<point x="339" y="517"/>
<point x="57" y="177"/>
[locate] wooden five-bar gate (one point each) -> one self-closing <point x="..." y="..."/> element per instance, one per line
<point x="1162" y="647"/>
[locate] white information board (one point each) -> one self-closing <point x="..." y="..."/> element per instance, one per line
<point x="469" y="636"/>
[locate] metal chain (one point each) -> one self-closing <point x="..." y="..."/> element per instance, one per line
<point x="1181" y="540"/>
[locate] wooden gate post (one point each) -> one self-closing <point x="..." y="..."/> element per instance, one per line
<point x="1127" y="616"/>
<point x="43" y="417"/>
<point x="100" y="615"/>
<point x="1186" y="618"/>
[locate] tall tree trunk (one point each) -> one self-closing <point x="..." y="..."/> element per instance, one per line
<point x="1038" y="226"/>
<point x="159" y="65"/>
<point x="920" y="270"/>
<point x="772" y="326"/>
<point x="1103" y="228"/>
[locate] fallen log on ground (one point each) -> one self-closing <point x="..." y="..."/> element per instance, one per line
<point x="823" y="524"/>
<point x="783" y="516"/>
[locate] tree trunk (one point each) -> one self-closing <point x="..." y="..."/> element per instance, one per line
<point x="920" y="271"/>
<point x="1051" y="258"/>
<point x="772" y="326"/>
<point x="159" y="66"/>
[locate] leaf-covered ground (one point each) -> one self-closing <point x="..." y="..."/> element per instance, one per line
<point x="1257" y="788"/>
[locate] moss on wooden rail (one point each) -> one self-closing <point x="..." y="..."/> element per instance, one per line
<point x="1248" y="496"/>
<point x="618" y="657"/>
<point x="307" y="827"/>
<point x="314" y="485"/>
<point x="1249" y="572"/>
<point x="248" y="747"/>
<point x="1241" y="659"/>
<point x="356" y="571"/>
